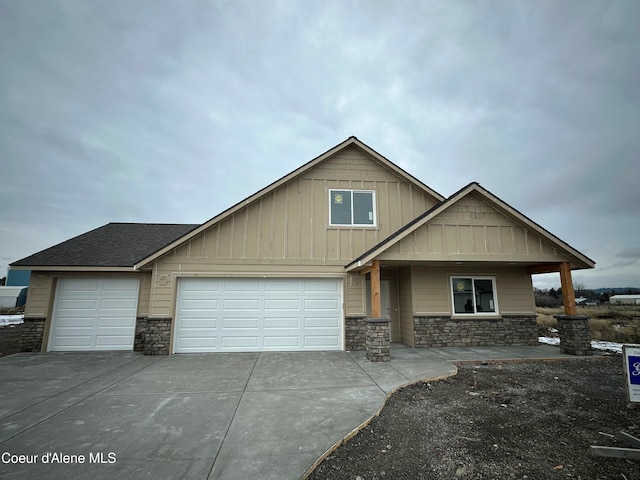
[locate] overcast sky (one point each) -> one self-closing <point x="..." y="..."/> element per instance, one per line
<point x="171" y="111"/>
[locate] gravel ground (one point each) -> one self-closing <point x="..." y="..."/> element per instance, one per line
<point x="529" y="420"/>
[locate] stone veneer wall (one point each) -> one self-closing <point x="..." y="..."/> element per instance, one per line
<point x="355" y="333"/>
<point x="32" y="334"/>
<point x="445" y="331"/>
<point x="378" y="340"/>
<point x="157" y="337"/>
<point x="575" y="335"/>
<point x="141" y="328"/>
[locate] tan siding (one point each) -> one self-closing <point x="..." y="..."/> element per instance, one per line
<point x="40" y="297"/>
<point x="144" y="296"/>
<point x="287" y="229"/>
<point x="431" y="289"/>
<point x="470" y="231"/>
<point x="405" y="306"/>
<point x="355" y="295"/>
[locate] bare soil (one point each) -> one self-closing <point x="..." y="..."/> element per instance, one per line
<point x="528" y="420"/>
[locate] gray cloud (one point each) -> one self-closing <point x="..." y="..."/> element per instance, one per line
<point x="121" y="111"/>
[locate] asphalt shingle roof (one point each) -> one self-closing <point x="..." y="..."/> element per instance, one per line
<point x="112" y="245"/>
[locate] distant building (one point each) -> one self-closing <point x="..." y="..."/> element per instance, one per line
<point x="625" y="300"/>
<point x="18" y="278"/>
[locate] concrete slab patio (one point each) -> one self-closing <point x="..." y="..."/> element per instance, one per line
<point x="210" y="416"/>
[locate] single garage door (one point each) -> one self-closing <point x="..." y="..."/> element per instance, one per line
<point x="246" y="314"/>
<point x="94" y="314"/>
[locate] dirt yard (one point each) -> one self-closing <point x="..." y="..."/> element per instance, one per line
<point x="530" y="420"/>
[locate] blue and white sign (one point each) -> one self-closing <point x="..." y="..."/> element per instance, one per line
<point x="631" y="357"/>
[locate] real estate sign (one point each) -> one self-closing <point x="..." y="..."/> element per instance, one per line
<point x="631" y="357"/>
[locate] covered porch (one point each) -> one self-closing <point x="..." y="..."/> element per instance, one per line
<point x="455" y="304"/>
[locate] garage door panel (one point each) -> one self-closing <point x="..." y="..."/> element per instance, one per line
<point x="126" y="286"/>
<point x="240" y="323"/>
<point x="242" y="342"/>
<point x="75" y="342"/>
<point x="94" y="314"/>
<point x="77" y="304"/>
<point x="281" y="304"/>
<point x="111" y="340"/>
<point x="75" y="322"/>
<point x="321" y="286"/>
<point x="199" y="323"/>
<point x="321" y="341"/>
<point x="262" y="314"/>
<point x="241" y="304"/>
<point x="79" y="285"/>
<point x="281" y="323"/>
<point x="198" y="344"/>
<point x="243" y="287"/>
<point x="280" y="342"/>
<point x="321" y="322"/>
<point x="283" y="287"/>
<point x="118" y="304"/>
<point x="200" y="304"/>
<point x="124" y="323"/>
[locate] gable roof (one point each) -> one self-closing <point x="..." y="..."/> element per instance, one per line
<point x="111" y="245"/>
<point x="351" y="141"/>
<point x="473" y="187"/>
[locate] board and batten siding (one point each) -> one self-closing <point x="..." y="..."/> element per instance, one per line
<point x="286" y="231"/>
<point x="472" y="230"/>
<point x="431" y="288"/>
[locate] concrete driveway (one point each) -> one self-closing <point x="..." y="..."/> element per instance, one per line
<point x="209" y="416"/>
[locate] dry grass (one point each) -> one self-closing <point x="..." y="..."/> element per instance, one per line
<point x="613" y="323"/>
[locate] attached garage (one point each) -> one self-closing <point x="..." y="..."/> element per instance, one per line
<point x="258" y="314"/>
<point x="92" y="314"/>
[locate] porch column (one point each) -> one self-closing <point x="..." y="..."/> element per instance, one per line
<point x="568" y="295"/>
<point x="376" y="308"/>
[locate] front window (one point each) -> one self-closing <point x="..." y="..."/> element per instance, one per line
<point x="352" y="207"/>
<point x="473" y="295"/>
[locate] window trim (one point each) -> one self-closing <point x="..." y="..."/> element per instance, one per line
<point x="473" y="278"/>
<point x="350" y="225"/>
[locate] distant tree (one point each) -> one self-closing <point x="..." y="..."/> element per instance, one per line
<point x="604" y="297"/>
<point x="579" y="289"/>
<point x="553" y="293"/>
<point x="3" y="281"/>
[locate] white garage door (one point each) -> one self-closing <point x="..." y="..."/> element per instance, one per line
<point x="94" y="314"/>
<point x="245" y="314"/>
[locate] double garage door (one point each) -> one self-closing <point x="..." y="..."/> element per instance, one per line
<point x="254" y="314"/>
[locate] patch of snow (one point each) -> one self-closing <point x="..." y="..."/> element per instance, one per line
<point x="11" y="320"/>
<point x="607" y="346"/>
<point x="595" y="344"/>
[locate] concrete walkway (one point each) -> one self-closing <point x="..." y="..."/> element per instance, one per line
<point x="210" y="416"/>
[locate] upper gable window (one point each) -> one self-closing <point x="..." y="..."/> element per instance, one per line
<point x="352" y="207"/>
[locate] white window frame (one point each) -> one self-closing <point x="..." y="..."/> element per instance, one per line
<point x="351" y="191"/>
<point x="473" y="278"/>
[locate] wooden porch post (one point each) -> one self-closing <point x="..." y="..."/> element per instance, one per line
<point x="568" y="295"/>
<point x="375" y="289"/>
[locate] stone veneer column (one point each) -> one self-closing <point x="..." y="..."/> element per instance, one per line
<point x="575" y="336"/>
<point x="378" y="340"/>
<point x="355" y="333"/>
<point x="32" y="334"/>
<point x="157" y="337"/>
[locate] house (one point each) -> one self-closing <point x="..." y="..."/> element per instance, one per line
<point x="302" y="265"/>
